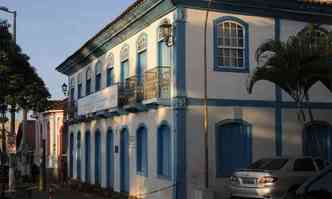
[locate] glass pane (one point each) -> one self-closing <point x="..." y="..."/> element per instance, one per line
<point x="268" y="164"/>
<point x="305" y="164"/>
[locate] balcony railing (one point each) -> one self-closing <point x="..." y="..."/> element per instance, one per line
<point x="157" y="83"/>
<point x="132" y="90"/>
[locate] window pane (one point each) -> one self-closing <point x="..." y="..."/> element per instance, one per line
<point x="110" y="76"/>
<point x="268" y="164"/>
<point x="305" y="164"/>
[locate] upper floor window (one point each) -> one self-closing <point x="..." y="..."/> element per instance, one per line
<point x="141" y="46"/>
<point x="231" y="51"/>
<point x="98" y="76"/>
<point x="88" y="82"/>
<point x="110" y="70"/>
<point x="79" y="85"/>
<point x="72" y="88"/>
<point x="124" y="56"/>
<point x="164" y="51"/>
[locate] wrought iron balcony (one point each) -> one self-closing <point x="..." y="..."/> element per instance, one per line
<point x="157" y="84"/>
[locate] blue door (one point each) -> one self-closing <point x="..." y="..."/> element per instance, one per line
<point x="124" y="161"/>
<point x="97" y="158"/>
<point x="71" y="155"/>
<point x="317" y="141"/>
<point x="109" y="149"/>
<point x="233" y="147"/>
<point x="87" y="157"/>
<point x="78" y="152"/>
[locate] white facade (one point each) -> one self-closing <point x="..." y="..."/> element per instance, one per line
<point x="269" y="114"/>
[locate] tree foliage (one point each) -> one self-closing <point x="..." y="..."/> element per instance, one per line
<point x="296" y="64"/>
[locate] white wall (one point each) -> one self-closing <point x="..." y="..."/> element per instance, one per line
<point x="138" y="184"/>
<point x="228" y="85"/>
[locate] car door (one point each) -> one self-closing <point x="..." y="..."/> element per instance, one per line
<point x="320" y="188"/>
<point x="303" y="168"/>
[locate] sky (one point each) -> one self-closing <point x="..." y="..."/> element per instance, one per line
<point x="51" y="30"/>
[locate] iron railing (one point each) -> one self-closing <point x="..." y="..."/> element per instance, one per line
<point x="157" y="83"/>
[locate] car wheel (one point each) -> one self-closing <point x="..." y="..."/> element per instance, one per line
<point x="291" y="194"/>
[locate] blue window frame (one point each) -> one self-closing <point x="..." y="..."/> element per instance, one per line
<point x="142" y="151"/>
<point x="72" y="89"/>
<point x="141" y="47"/>
<point x="109" y="159"/>
<point x="164" y="52"/>
<point x="164" y="151"/>
<point x="231" y="45"/>
<point x="233" y="146"/>
<point x="98" y="76"/>
<point x="124" y="56"/>
<point x="110" y="71"/>
<point x="79" y="86"/>
<point x="88" y="82"/>
<point x="78" y="155"/>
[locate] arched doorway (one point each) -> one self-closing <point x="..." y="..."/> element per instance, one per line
<point x="78" y="152"/>
<point x="233" y="146"/>
<point x="124" y="160"/>
<point x="87" y="156"/>
<point x="97" y="158"/>
<point x="317" y="140"/>
<point x="109" y="158"/>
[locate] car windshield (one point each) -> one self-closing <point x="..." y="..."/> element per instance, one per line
<point x="268" y="164"/>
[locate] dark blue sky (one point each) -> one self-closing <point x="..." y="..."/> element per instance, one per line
<point x="51" y="30"/>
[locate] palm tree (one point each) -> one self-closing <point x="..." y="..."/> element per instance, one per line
<point x="296" y="65"/>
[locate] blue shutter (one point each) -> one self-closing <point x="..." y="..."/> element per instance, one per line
<point x="164" y="151"/>
<point x="78" y="155"/>
<point x="139" y="150"/>
<point x="124" y="70"/>
<point x="110" y="75"/>
<point x="109" y="158"/>
<point x="97" y="158"/>
<point x="71" y="155"/>
<point x="79" y="91"/>
<point x="141" y="65"/>
<point x="87" y="157"/>
<point x="88" y="87"/>
<point x="233" y="145"/>
<point x="124" y="161"/>
<point x="98" y="82"/>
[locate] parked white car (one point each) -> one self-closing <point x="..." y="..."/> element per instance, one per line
<point x="317" y="187"/>
<point x="274" y="178"/>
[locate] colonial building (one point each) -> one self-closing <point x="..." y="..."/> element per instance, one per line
<point x="137" y="96"/>
<point x="49" y="128"/>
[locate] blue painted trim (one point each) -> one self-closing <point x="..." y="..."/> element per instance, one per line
<point x="163" y="124"/>
<point x="124" y="187"/>
<point x="87" y="156"/>
<point x="278" y="93"/>
<point x="110" y="157"/>
<point x="179" y="112"/>
<point x="253" y="103"/>
<point x="146" y="172"/>
<point x="71" y="155"/>
<point x="98" y="162"/>
<point x="245" y="25"/>
<point x="79" y="154"/>
<point x="289" y="10"/>
<point x="249" y="137"/>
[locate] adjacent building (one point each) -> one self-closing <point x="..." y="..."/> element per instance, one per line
<point x="136" y="96"/>
<point x="49" y="128"/>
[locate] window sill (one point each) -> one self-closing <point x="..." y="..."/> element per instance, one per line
<point x="229" y="69"/>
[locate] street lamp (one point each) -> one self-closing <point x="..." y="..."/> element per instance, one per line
<point x="166" y="29"/>
<point x="64" y="89"/>
<point x="13" y="12"/>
